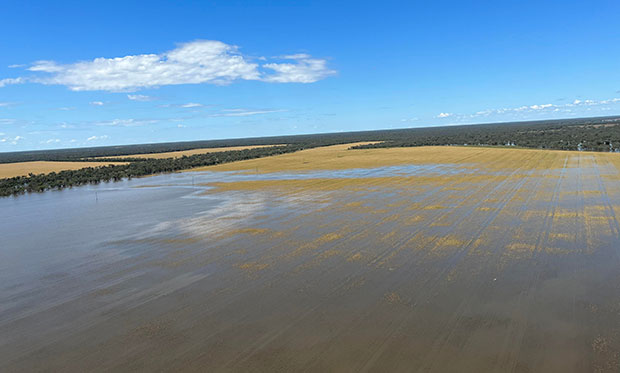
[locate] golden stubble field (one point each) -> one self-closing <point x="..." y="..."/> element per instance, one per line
<point x="438" y="259"/>
<point x="179" y="154"/>
<point x="43" y="167"/>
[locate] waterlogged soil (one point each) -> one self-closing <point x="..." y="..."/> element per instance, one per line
<point x="484" y="260"/>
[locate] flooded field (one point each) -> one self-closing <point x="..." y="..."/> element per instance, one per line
<point x="425" y="259"/>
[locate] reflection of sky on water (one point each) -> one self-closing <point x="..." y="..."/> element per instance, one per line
<point x="402" y="170"/>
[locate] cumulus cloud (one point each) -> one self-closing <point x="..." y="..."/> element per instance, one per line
<point x="10" y="140"/>
<point x="201" y="61"/>
<point x="95" y="138"/>
<point x="548" y="107"/>
<point x="305" y="69"/>
<point x="540" y="107"/>
<point x="191" y="105"/>
<point x="525" y="111"/>
<point x="444" y="115"/>
<point x="125" y="122"/>
<point x="243" y="112"/>
<point x="9" y="81"/>
<point x="141" y="98"/>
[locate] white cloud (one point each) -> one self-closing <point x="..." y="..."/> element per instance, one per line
<point x="610" y="101"/>
<point x="8" y="81"/>
<point x="243" y="112"/>
<point x="188" y="105"/>
<point x="304" y="70"/>
<point x="51" y="141"/>
<point x="190" y="63"/>
<point x="97" y="103"/>
<point x="181" y="126"/>
<point x="5" y="104"/>
<point x="125" y="122"/>
<point x="141" y="98"/>
<point x="95" y="138"/>
<point x="191" y="105"/>
<point x="526" y="110"/>
<point x="444" y="115"/>
<point x="540" y="107"/>
<point x="12" y="141"/>
<point x="201" y="61"/>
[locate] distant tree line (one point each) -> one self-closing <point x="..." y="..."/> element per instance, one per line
<point x="591" y="134"/>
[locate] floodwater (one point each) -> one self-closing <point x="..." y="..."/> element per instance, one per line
<point x="440" y="267"/>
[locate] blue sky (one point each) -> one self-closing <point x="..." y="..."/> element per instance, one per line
<point x="92" y="73"/>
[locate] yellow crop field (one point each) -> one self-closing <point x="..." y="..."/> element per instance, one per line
<point x="44" y="167"/>
<point x="339" y="157"/>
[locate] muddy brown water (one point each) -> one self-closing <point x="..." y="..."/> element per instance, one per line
<point x="432" y="270"/>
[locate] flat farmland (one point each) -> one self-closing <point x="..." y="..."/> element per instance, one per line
<point x="44" y="167"/>
<point x="428" y="259"/>
<point x="182" y="153"/>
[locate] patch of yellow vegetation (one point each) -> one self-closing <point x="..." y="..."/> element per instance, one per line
<point x="355" y="257"/>
<point x="434" y="207"/>
<point x="561" y="236"/>
<point x="251" y="231"/>
<point x="328" y="238"/>
<point x="452" y="241"/>
<point x="328" y="254"/>
<point x="521" y="247"/>
<point x="253" y="266"/>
